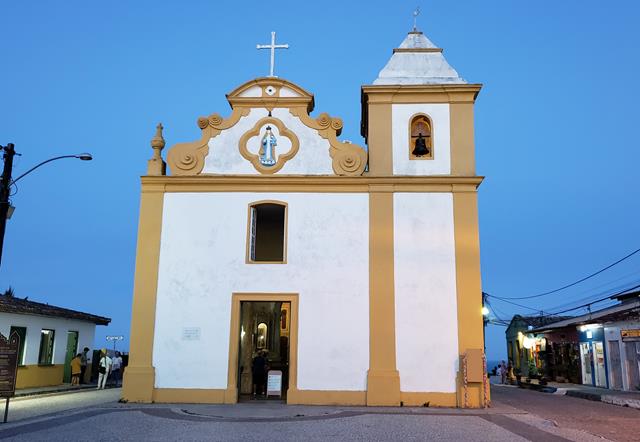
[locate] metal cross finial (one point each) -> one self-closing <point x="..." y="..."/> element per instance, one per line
<point x="415" y="18"/>
<point x="273" y="46"/>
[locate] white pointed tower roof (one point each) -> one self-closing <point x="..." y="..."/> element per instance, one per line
<point x="418" y="61"/>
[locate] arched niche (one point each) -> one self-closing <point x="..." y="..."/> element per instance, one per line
<point x="420" y="137"/>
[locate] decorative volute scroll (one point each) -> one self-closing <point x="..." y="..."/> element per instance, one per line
<point x="347" y="159"/>
<point x="188" y="158"/>
<point x="268" y="94"/>
<point x="156" y="165"/>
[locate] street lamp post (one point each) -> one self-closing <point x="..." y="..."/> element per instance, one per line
<point x="5" y="184"/>
<point x="485" y="320"/>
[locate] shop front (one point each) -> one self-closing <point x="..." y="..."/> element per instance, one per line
<point x="593" y="355"/>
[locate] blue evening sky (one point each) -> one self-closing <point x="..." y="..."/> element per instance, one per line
<point x="555" y="126"/>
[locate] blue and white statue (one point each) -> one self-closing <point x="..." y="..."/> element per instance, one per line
<point x="268" y="150"/>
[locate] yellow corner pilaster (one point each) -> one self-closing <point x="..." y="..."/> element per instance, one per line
<point x="139" y="376"/>
<point x="469" y="289"/>
<point x="383" y="379"/>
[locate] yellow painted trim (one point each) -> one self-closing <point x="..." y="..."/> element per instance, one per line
<point x="434" y="399"/>
<point x="347" y="159"/>
<point x="270" y="101"/>
<point x="188" y="396"/>
<point x="322" y="184"/>
<point x="416" y="50"/>
<point x="377" y="126"/>
<point x="468" y="287"/>
<point x="139" y="377"/>
<point x="231" y="395"/>
<point x="29" y="376"/>
<point x="188" y="158"/>
<point x="286" y="232"/>
<point x="423" y="93"/>
<point x="327" y="397"/>
<point x="461" y="139"/>
<point x="383" y="379"/>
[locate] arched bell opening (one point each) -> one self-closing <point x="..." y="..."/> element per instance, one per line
<point x="420" y="138"/>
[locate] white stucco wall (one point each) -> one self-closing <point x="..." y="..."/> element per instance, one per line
<point x="400" y="118"/>
<point x="312" y="158"/>
<point x="202" y="262"/>
<point x="425" y="292"/>
<point x="35" y="324"/>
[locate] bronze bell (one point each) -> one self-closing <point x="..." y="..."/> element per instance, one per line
<point x="421" y="148"/>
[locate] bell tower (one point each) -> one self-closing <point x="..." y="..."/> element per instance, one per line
<point x="417" y="117"/>
<point x="417" y="120"/>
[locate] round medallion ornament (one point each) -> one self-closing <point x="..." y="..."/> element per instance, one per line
<point x="270" y="90"/>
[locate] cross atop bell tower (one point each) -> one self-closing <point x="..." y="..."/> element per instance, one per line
<point x="415" y="14"/>
<point x="273" y="46"/>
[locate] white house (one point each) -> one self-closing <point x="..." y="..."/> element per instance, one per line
<point x="49" y="338"/>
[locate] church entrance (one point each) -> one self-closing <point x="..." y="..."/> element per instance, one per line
<point x="263" y="353"/>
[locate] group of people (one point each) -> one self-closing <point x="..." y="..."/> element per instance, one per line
<point x="106" y="367"/>
<point x="504" y="371"/>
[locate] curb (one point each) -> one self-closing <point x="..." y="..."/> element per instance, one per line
<point x="56" y="390"/>
<point x="605" y="398"/>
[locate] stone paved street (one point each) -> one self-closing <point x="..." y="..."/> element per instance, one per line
<point x="516" y="416"/>
<point x="609" y="421"/>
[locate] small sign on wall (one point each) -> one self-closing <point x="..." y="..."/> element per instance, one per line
<point x="274" y="383"/>
<point x="630" y="334"/>
<point x="191" y="333"/>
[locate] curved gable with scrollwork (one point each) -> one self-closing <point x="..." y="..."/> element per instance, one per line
<point x="269" y="131"/>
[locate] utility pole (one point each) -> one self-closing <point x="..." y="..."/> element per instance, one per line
<point x="5" y="189"/>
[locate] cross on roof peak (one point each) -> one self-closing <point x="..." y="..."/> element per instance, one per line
<point x="415" y="14"/>
<point x="273" y="46"/>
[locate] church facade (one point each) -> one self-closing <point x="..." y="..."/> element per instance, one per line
<point x="354" y="272"/>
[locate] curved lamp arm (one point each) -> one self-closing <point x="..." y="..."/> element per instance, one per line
<point x="82" y="156"/>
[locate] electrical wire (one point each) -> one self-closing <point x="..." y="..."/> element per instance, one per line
<point x="578" y="281"/>
<point x="514" y="303"/>
<point x="596" y="295"/>
<point x="608" y="297"/>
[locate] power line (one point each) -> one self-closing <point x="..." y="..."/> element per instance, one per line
<point x="596" y="294"/>
<point x="578" y="281"/>
<point x="608" y="297"/>
<point x="513" y="303"/>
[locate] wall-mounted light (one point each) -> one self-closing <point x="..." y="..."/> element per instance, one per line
<point x="586" y="327"/>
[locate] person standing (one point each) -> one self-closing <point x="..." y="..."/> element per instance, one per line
<point x="258" y="371"/>
<point x="503" y="372"/>
<point x="83" y="364"/>
<point x="76" y="369"/>
<point x="104" y="368"/>
<point x="116" y="369"/>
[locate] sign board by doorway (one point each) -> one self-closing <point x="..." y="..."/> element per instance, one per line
<point x="274" y="383"/>
<point x="8" y="364"/>
<point x="9" y="349"/>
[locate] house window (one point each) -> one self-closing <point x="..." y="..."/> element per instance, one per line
<point x="47" y="338"/>
<point x="267" y="233"/>
<point x="22" y="332"/>
<point x="420" y="138"/>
